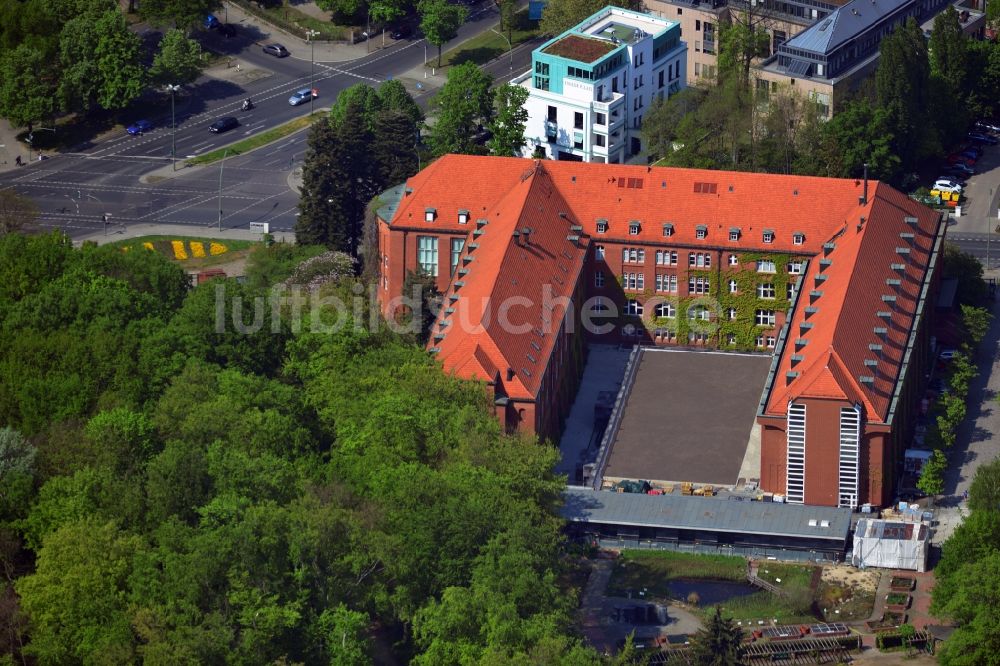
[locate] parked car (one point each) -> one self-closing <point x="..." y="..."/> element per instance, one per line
<point x="987" y="126"/>
<point x="946" y="185"/>
<point x="973" y="150"/>
<point x="953" y="175"/>
<point x="223" y="125"/>
<point x="211" y="22"/>
<point x="139" y="127"/>
<point x="948" y="354"/>
<point x="962" y="167"/>
<point x="227" y="30"/>
<point x="302" y="96"/>
<point x="955" y="158"/>
<point x="277" y="50"/>
<point x="402" y="32"/>
<point x="979" y="137"/>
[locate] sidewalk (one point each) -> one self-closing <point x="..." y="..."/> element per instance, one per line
<point x="325" y="52"/>
<point x="10" y="147"/>
<point x="117" y="233"/>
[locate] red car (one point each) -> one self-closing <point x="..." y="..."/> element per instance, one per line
<point x="955" y="158"/>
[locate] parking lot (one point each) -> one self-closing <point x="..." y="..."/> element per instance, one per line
<point x="981" y="194"/>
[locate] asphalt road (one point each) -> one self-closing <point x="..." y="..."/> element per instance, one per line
<point x="73" y="190"/>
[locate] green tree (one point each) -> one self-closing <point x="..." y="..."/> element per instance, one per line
<point x="561" y="15"/>
<point x="17" y="212"/>
<point x="984" y="492"/>
<point x="27" y="85"/>
<point x="342" y="632"/>
<point x="742" y="40"/>
<point x="394" y="148"/>
<point x="387" y="11"/>
<point x="393" y="96"/>
<point x="463" y="104"/>
<point x="902" y="83"/>
<point x="344" y="11"/>
<point x="718" y="643"/>
<point x="976" y="322"/>
<point x="983" y="77"/>
<point x="857" y="135"/>
<point x="184" y="14"/>
<point x="661" y="122"/>
<point x="948" y="71"/>
<point x="359" y="98"/>
<point x="317" y="214"/>
<point x="973" y="604"/>
<point x="123" y="440"/>
<point x="968" y="270"/>
<point x="931" y="481"/>
<point x="178" y="61"/>
<point x="100" y="60"/>
<point x="509" y="120"/>
<point x="440" y="21"/>
<point x="74" y="600"/>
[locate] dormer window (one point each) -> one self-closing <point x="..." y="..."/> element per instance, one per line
<point x="668" y="230"/>
<point x="602" y="226"/>
<point x="734" y="233"/>
<point x="701" y="231"/>
<point x="633" y="228"/>
<point x="798" y="238"/>
<point x="768" y="236"/>
<point x="463" y="217"/>
<point x="430" y="214"/>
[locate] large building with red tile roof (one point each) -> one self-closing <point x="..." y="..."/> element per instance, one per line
<point x="534" y="258"/>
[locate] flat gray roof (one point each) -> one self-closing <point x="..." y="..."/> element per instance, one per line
<point x="688" y="417"/>
<point x="707" y="514"/>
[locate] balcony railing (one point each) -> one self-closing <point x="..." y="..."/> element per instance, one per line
<point x="609" y="101"/>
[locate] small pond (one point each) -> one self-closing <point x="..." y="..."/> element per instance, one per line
<point x="710" y="592"/>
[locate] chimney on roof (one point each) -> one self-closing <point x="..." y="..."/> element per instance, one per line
<point x="861" y="223"/>
<point x="526" y="232"/>
<point x="864" y="196"/>
<point x="510" y="374"/>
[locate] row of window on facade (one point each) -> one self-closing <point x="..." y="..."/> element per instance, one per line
<point x="701" y="231"/>
<point x="667" y="310"/>
<point x="667" y="284"/>
<point x="637" y="255"/>
<point x="697" y="337"/>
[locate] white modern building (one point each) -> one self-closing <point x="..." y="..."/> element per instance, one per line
<point x="590" y="86"/>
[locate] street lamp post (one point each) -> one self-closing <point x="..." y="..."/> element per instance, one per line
<point x="222" y="165"/>
<point x="311" y="34"/>
<point x="510" y="49"/>
<point x="173" y="88"/>
<point x="368" y="32"/>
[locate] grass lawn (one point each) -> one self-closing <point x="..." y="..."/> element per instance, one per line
<point x="288" y="16"/>
<point x="791" y="576"/>
<point x="652" y="570"/>
<point x="763" y="606"/>
<point x="189" y="251"/>
<point x="489" y="45"/>
<point x="256" y="141"/>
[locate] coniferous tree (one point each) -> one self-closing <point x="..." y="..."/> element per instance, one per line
<point x="718" y="643"/>
<point x="394" y="148"/>
<point x="902" y="84"/>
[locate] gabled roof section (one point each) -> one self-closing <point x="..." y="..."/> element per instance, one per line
<point x="522" y="268"/>
<point x="453" y="183"/>
<point x="853" y="322"/>
<point x="842" y="25"/>
<point x="655" y="196"/>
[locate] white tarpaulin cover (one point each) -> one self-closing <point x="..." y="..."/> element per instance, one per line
<point x="890" y="544"/>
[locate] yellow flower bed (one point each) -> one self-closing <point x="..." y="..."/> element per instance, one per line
<point x="217" y="248"/>
<point x="197" y="249"/>
<point x="179" y="252"/>
<point x="148" y="245"/>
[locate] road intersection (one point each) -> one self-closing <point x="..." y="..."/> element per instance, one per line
<point x="129" y="177"/>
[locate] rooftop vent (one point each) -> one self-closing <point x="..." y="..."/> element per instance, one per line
<point x="874" y="347"/>
<point x="912" y="221"/>
<point x="879" y="330"/>
<point x="893" y="282"/>
<point x="866" y="379"/>
<point x="482" y="222"/>
<point x="883" y="315"/>
<point x="870" y="363"/>
<point x="906" y="235"/>
<point x="902" y="250"/>
<point x="829" y="247"/>
<point x="888" y="298"/>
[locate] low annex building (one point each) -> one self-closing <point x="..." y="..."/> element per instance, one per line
<point x="535" y="258"/>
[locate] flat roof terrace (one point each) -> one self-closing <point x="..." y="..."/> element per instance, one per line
<point x="688" y="416"/>
<point x="581" y="49"/>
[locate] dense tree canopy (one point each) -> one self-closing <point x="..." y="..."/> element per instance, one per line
<point x="191" y="494"/>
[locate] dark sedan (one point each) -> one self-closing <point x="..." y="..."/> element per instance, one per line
<point x="223" y="125"/>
